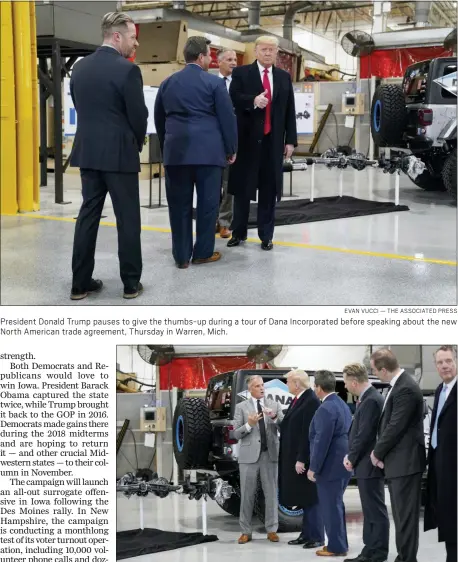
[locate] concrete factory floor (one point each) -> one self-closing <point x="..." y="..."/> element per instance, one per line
<point x="404" y="258"/>
<point x="177" y="513"/>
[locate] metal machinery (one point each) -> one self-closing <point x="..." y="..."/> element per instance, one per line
<point x="194" y="486"/>
<point x="333" y="159"/>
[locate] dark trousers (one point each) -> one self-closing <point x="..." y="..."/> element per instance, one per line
<point x="312" y="524"/>
<point x="376" y="526"/>
<point x="179" y="185"/>
<point x="405" y="494"/>
<point x="266" y="199"/>
<point x="330" y="497"/>
<point x="434" y="470"/>
<point x="124" y="193"/>
<point x="451" y="551"/>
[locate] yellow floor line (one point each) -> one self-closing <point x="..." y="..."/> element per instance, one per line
<point x="277" y="243"/>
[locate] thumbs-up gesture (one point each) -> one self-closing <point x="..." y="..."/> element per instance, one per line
<point x="262" y="100"/>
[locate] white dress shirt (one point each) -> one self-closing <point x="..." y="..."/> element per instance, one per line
<point x="269" y="76"/>
<point x="449" y="386"/>
<point x="255" y="403"/>
<point x="228" y="80"/>
<point x="108" y="45"/>
<point x="392" y="383"/>
<point x="327" y="396"/>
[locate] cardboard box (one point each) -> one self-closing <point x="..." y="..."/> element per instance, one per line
<point x="155" y="74"/>
<point x="161" y="42"/>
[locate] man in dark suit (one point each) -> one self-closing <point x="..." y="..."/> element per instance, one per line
<point x="227" y="61"/>
<point x="263" y="98"/>
<point x="196" y="127"/>
<point x="400" y="450"/>
<point x="328" y="446"/>
<point x="440" y="508"/>
<point x="370" y="478"/>
<point x="294" y="460"/>
<point x="107" y="91"/>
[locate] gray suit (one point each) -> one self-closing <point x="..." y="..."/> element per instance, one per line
<point x="253" y="463"/>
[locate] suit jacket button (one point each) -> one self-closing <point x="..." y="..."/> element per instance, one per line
<point x="259" y="142"/>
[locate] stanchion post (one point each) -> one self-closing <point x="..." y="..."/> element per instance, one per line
<point x="312" y="186"/>
<point x="396" y="188"/>
<point x="204" y="515"/>
<point x="341" y="183"/>
<point x="142" y="525"/>
<point x="153" y="159"/>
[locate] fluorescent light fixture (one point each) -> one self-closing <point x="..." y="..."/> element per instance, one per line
<point x="244" y="9"/>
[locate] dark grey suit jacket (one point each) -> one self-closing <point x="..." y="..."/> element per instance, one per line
<point x="107" y="91"/>
<point x="363" y="434"/>
<point x="401" y="441"/>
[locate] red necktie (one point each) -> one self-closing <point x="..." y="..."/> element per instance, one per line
<point x="293" y="402"/>
<point x="266" y="86"/>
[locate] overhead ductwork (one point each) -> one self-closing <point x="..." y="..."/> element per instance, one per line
<point x="288" y="21"/>
<point x="254" y="15"/>
<point x="411" y="38"/>
<point x="195" y="21"/>
<point x="422" y="13"/>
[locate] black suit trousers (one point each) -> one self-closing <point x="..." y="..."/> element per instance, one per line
<point x="124" y="192"/>
<point x="376" y="526"/>
<point x="266" y="199"/>
<point x="405" y="494"/>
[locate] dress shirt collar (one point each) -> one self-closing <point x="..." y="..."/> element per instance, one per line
<point x="300" y="394"/>
<point x="393" y="381"/>
<point x="261" y="70"/>
<point x="111" y="47"/>
<point x="364" y="392"/>
<point x="327" y="396"/>
<point x="450" y="385"/>
<point x="228" y="78"/>
<point x="255" y="401"/>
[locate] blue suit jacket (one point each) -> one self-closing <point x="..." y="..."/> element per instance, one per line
<point x="329" y="439"/>
<point x="195" y="120"/>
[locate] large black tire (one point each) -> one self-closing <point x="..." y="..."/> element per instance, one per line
<point x="428" y="182"/>
<point x="232" y="505"/>
<point x="431" y="178"/>
<point x="388" y="115"/>
<point x="449" y="174"/>
<point x="191" y="433"/>
<point x="289" y="518"/>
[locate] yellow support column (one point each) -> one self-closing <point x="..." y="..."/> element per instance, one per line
<point x="24" y="112"/>
<point x="35" y="112"/>
<point x="8" y="183"/>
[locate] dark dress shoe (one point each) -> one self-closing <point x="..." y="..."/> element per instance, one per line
<point x="300" y="540"/>
<point x="133" y="292"/>
<point x="267" y="245"/>
<point x="235" y="241"/>
<point x="359" y="558"/>
<point x="311" y="544"/>
<point x="94" y="287"/>
<point x="183" y="265"/>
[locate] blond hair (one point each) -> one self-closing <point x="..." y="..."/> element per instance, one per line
<point x="115" y="21"/>
<point x="357" y="372"/>
<point x="300" y="377"/>
<point x="266" y="40"/>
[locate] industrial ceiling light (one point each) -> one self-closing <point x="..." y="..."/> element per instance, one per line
<point x="244" y="9"/>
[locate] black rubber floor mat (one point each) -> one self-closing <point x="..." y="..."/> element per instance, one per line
<point x="138" y="542"/>
<point x="298" y="211"/>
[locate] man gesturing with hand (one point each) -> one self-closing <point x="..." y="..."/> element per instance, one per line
<point x="256" y="428"/>
<point x="263" y="99"/>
